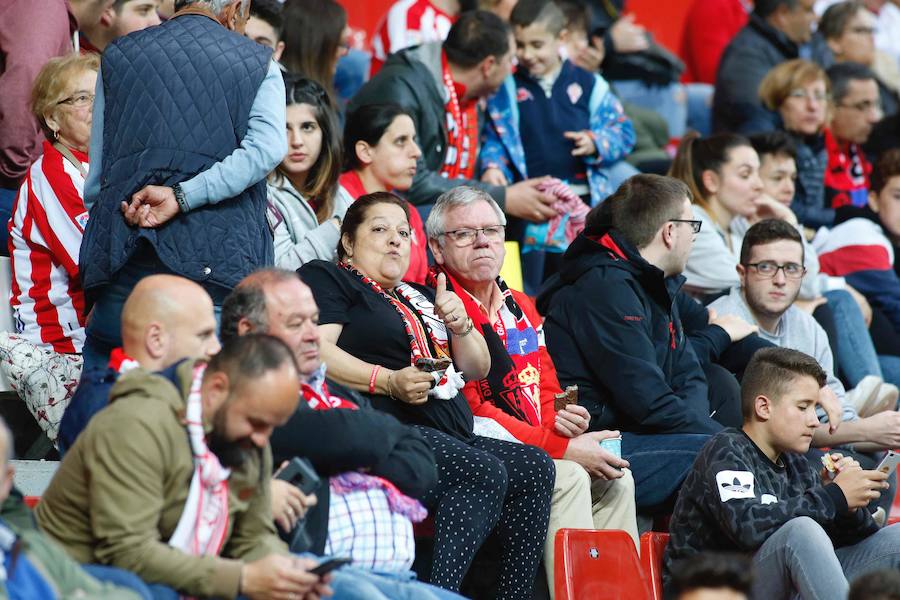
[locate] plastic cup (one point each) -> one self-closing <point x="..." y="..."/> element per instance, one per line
<point x="613" y="446"/>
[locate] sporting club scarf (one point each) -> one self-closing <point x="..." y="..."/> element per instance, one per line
<point x="462" y="129"/>
<point x="120" y="362"/>
<point x="422" y="326"/>
<point x="315" y="393"/>
<point x="514" y="381"/>
<point x="204" y="522"/>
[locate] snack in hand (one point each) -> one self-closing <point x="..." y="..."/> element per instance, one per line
<point x="431" y="365"/>
<point x="563" y="399"/>
<point x="828" y="463"/>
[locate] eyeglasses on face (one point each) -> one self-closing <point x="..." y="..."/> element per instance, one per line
<point x="695" y="225"/>
<point x="78" y="100"/>
<point x="865" y="106"/>
<point x="802" y="94"/>
<point x="466" y="237"/>
<point x="768" y="269"/>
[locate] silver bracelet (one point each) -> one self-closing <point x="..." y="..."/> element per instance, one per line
<point x="468" y="330"/>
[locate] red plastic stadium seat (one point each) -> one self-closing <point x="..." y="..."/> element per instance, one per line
<point x="593" y="563"/>
<point x="31" y="501"/>
<point x="653" y="547"/>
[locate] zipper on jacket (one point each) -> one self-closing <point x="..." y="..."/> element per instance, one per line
<point x="672" y="333"/>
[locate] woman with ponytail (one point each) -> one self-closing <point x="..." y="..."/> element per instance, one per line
<point x="722" y="172"/>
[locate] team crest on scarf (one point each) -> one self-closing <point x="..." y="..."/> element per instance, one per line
<point x="513" y="382"/>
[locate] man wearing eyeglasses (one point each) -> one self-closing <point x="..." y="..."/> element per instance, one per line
<point x="614" y="329"/>
<point x="771" y="271"/>
<point x="856" y="108"/>
<point x="516" y="401"/>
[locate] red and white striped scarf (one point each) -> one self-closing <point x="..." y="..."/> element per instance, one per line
<point x="424" y="330"/>
<point x="203" y="524"/>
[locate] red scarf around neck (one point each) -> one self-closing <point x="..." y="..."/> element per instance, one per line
<point x="513" y="382"/>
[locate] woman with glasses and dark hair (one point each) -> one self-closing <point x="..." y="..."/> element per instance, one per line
<point x="409" y="347"/>
<point x="380" y="155"/>
<point x="43" y="359"/>
<point x="306" y="203"/>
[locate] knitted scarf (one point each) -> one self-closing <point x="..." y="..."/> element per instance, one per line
<point x="424" y="330"/>
<point x="204" y="522"/>
<point x="513" y="382"/>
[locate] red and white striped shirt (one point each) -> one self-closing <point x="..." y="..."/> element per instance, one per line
<point x="45" y="234"/>
<point x="408" y="23"/>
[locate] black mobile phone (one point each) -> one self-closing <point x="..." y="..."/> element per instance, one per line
<point x="300" y="473"/>
<point x="328" y="565"/>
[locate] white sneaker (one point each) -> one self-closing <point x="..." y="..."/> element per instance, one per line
<point x="885" y="399"/>
<point x="865" y="395"/>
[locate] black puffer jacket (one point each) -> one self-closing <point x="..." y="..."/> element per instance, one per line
<point x="613" y="329"/>
<point x="751" y="54"/>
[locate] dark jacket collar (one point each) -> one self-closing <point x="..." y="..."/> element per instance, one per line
<point x="775" y="37"/>
<point x="604" y="247"/>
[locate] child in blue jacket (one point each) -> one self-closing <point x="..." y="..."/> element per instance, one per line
<point x="552" y="117"/>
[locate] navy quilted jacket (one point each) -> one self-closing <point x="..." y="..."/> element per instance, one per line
<point x="178" y="99"/>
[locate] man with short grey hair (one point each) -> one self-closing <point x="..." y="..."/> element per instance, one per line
<point x="188" y="120"/>
<point x="516" y="401"/>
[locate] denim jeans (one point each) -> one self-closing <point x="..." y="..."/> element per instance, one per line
<point x="799" y="560"/>
<point x="352" y="72"/>
<point x="348" y="583"/>
<point x="352" y="583"/>
<point x="682" y="106"/>
<point x="7" y="199"/>
<point x="104" y="329"/>
<point x="890" y="368"/>
<point x="659" y="464"/>
<point x="855" y="356"/>
<point x="616" y="174"/>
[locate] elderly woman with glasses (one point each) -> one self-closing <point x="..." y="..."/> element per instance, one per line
<point x="42" y="359"/>
<point x="799" y="91"/>
<point x="411" y="348"/>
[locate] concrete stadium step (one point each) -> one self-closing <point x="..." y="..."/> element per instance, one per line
<point x="33" y="476"/>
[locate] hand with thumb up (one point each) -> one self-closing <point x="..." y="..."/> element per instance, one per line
<point x="449" y="308"/>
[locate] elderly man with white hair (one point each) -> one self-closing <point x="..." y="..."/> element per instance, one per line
<point x="515" y="402"/>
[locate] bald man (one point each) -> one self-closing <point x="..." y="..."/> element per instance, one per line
<point x="166" y="318"/>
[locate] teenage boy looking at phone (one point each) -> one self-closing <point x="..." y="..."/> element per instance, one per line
<point x="752" y="490"/>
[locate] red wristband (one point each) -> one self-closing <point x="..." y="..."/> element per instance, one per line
<point x="375" y="370"/>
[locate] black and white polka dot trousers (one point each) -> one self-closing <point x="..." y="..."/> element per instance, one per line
<point x="483" y="486"/>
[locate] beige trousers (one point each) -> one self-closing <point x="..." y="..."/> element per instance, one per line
<point x="579" y="503"/>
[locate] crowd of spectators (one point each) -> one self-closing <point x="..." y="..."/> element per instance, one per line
<point x="266" y="295"/>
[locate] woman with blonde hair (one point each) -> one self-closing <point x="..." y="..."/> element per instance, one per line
<point x="799" y="91"/>
<point x="42" y="360"/>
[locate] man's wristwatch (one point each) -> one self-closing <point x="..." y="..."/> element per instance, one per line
<point x="180" y="199"/>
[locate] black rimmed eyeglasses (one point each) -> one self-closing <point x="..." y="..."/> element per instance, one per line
<point x="768" y="269"/>
<point x="695" y="225"/>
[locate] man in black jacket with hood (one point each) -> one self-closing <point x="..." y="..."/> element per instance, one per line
<point x="613" y="329"/>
